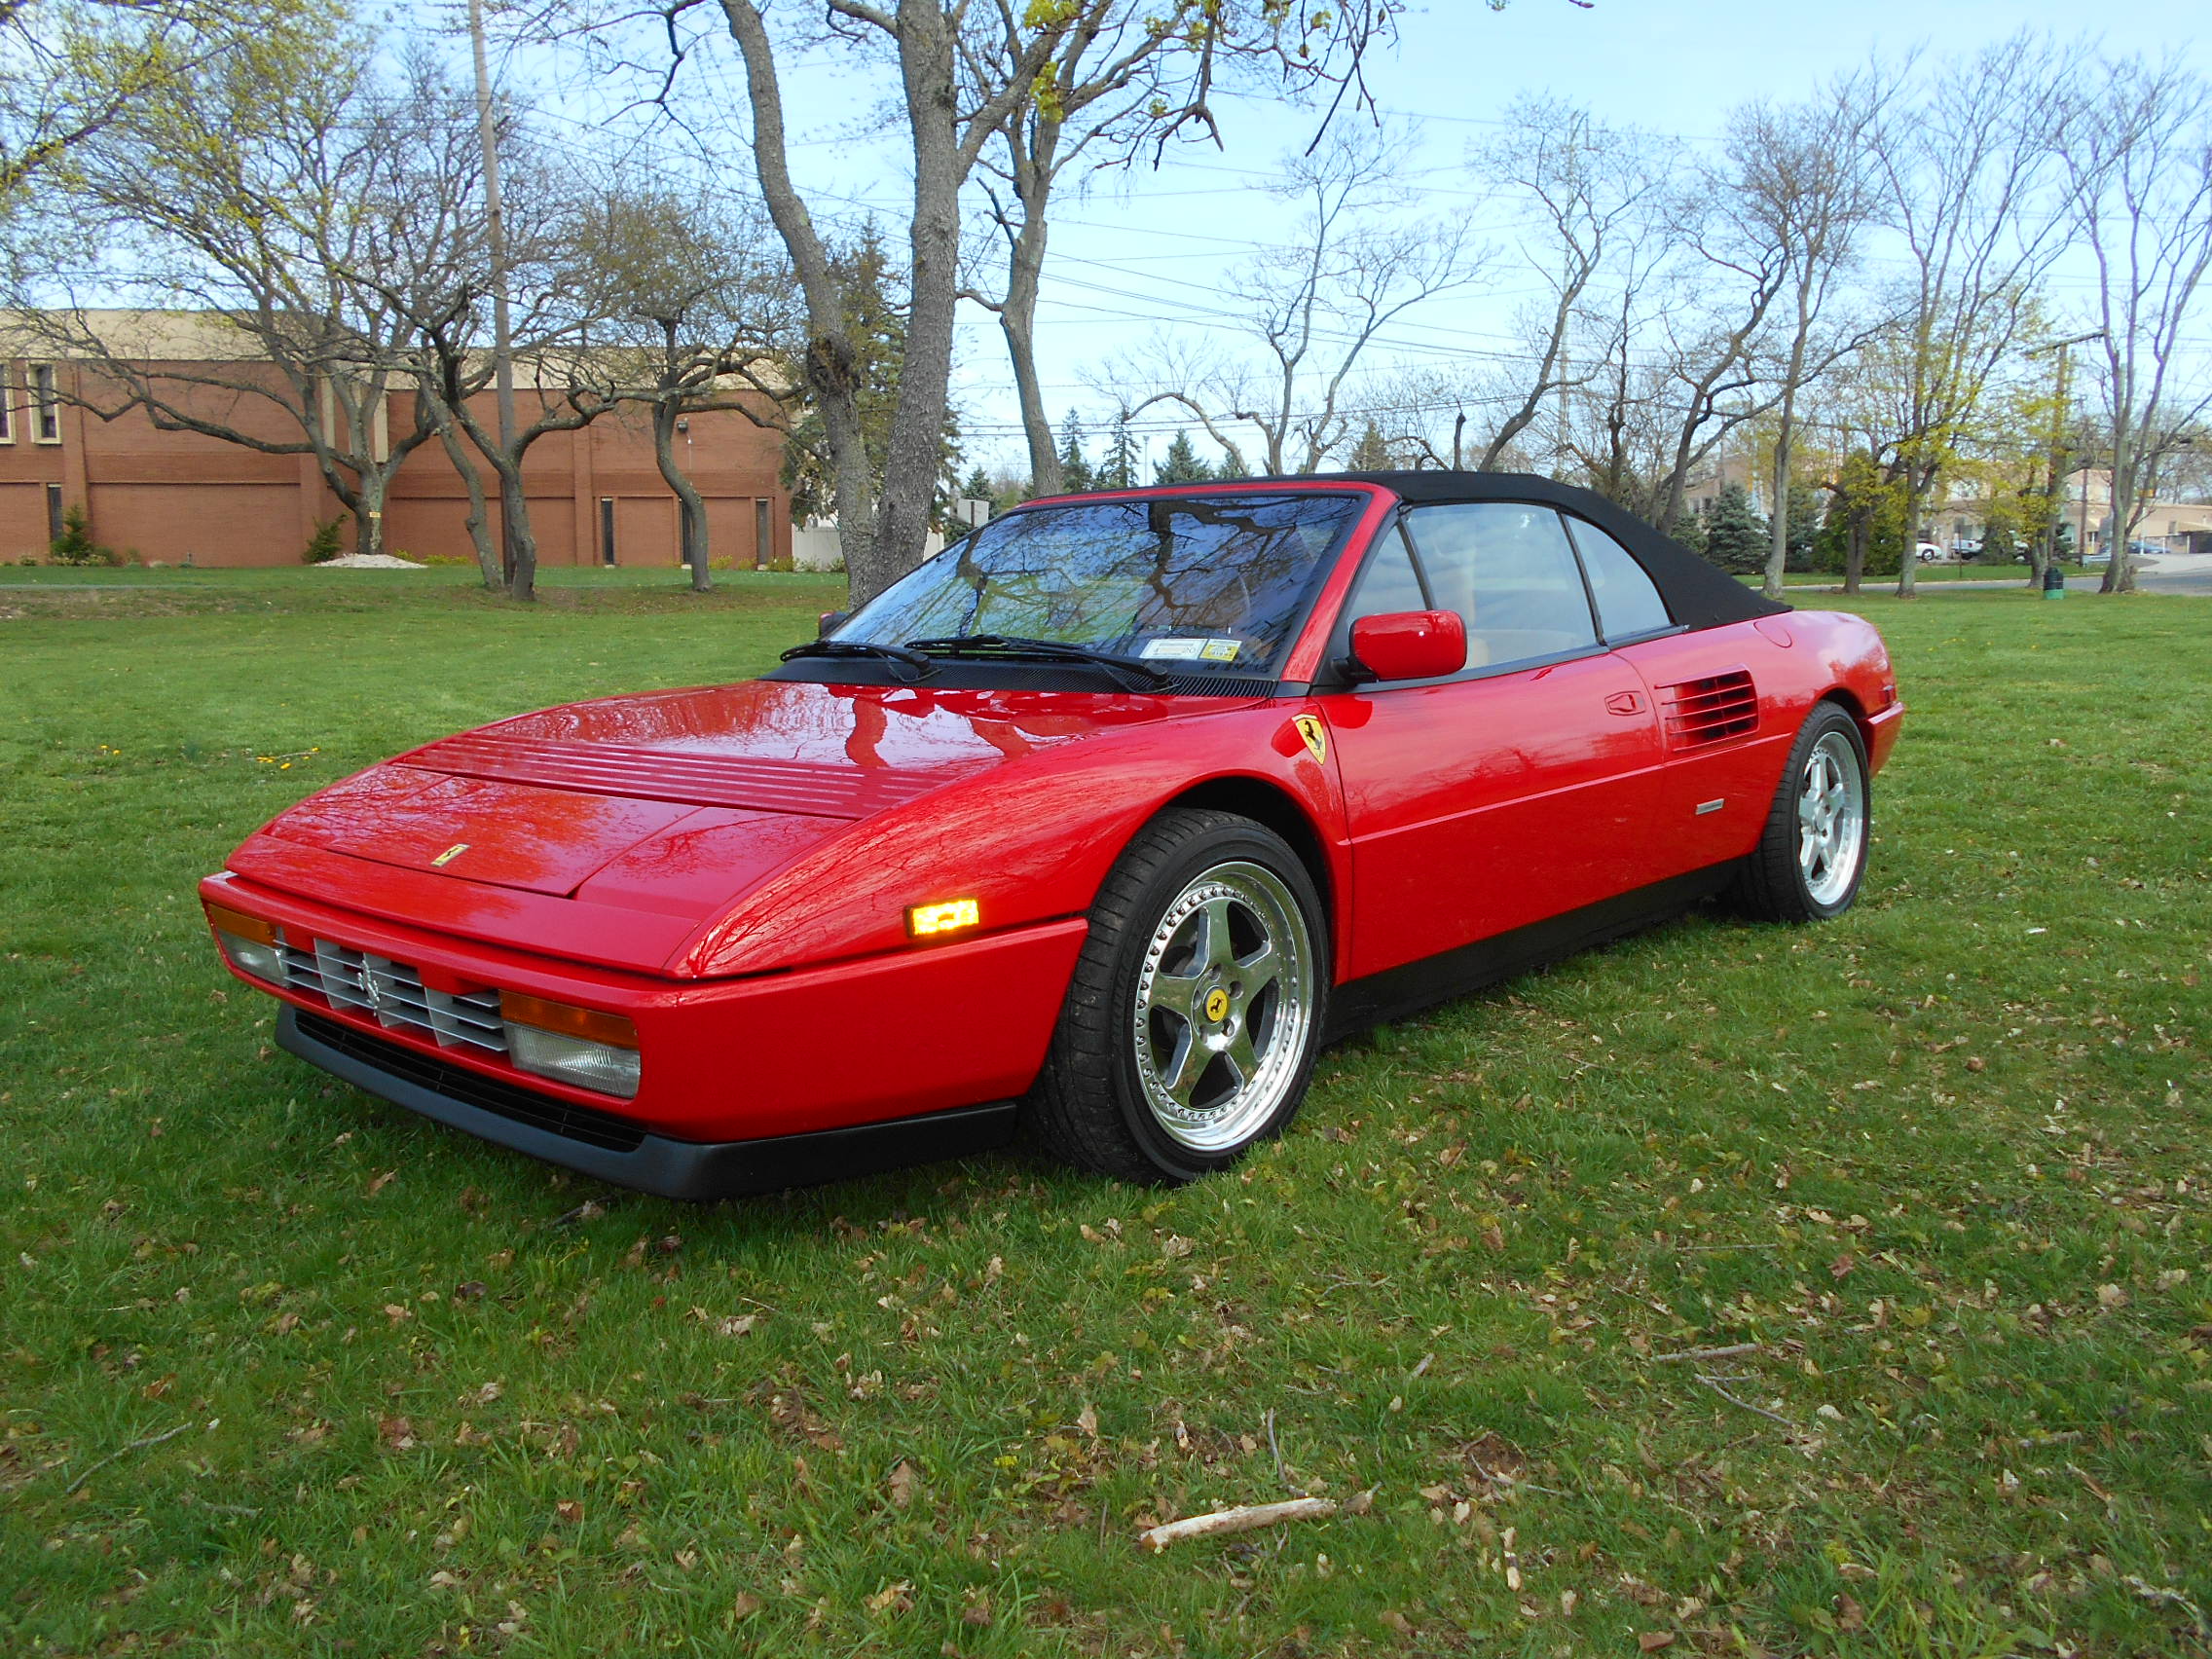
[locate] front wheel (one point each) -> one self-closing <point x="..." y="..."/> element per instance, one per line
<point x="1195" y="1011"/>
<point x="1813" y="854"/>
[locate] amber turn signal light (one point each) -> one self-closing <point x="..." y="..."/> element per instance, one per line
<point x="240" y="925"/>
<point x="932" y="921"/>
<point x="589" y="1023"/>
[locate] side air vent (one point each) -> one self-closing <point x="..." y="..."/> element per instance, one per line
<point x="1701" y="713"/>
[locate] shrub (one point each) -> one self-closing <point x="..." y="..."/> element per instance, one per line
<point x="75" y="544"/>
<point x="323" y="546"/>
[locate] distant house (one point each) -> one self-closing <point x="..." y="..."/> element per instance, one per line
<point x="595" y="495"/>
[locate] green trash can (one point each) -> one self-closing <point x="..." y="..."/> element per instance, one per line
<point x="2053" y="581"/>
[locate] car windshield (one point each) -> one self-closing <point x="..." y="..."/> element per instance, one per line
<point x="1201" y="581"/>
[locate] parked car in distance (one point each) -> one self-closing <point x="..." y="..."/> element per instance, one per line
<point x="1098" y="823"/>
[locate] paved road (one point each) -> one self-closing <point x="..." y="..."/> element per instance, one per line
<point x="2167" y="573"/>
<point x="2176" y="573"/>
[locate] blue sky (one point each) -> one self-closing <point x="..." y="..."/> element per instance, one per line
<point x="1134" y="258"/>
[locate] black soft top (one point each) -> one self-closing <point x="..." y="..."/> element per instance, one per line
<point x="1698" y="593"/>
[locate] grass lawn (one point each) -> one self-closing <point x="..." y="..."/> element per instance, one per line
<point x="285" y="1370"/>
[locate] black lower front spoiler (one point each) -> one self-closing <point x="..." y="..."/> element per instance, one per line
<point x="614" y="1149"/>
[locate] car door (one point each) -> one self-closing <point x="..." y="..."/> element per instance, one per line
<point x="1723" y="747"/>
<point x="1514" y="790"/>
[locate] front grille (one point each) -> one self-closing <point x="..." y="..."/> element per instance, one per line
<point x="492" y="1094"/>
<point x="393" y="995"/>
<point x="1704" y="711"/>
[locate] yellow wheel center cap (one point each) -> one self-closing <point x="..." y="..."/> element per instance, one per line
<point x="1217" y="1005"/>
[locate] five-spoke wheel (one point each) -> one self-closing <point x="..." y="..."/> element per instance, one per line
<point x="1808" y="861"/>
<point x="1195" y="1009"/>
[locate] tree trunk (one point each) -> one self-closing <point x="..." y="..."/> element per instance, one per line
<point x="2120" y="568"/>
<point x="479" y="521"/>
<point x="1017" y="322"/>
<point x="829" y="371"/>
<point x="691" y="511"/>
<point x="1909" y="566"/>
<point x="1853" y="553"/>
<point x="917" y="450"/>
<point x="368" y="511"/>
<point x="1778" y="520"/>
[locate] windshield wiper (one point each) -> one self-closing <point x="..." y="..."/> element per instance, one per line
<point x="1134" y="673"/>
<point x="921" y="665"/>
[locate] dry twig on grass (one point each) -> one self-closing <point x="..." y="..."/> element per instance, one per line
<point x="1244" y="1518"/>
<point x="120" y="1451"/>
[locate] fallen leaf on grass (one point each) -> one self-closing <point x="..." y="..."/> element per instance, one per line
<point x="1849" y="1614"/>
<point x="397" y="1434"/>
<point x="397" y="1311"/>
<point x="901" y="1484"/>
<point x="569" y="1510"/>
<point x="746" y="1605"/>
<point x="382" y="1181"/>
<point x="891" y="1598"/>
<point x="1086" y="1419"/>
<point x="1651" y="1641"/>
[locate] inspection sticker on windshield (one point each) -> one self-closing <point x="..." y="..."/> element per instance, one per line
<point x="1193" y="650"/>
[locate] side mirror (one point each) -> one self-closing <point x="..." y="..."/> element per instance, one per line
<point x="830" y="619"/>
<point x="1409" y="645"/>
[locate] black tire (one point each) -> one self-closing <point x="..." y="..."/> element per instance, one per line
<point x="1090" y="1106"/>
<point x="1774" y="884"/>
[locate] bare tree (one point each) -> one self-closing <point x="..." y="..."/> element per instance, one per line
<point x="70" y="68"/>
<point x="1583" y="189"/>
<point x="1125" y="77"/>
<point x="696" y="309"/>
<point x="1964" y="172"/>
<point x="1312" y="309"/>
<point x="2140" y="158"/>
<point x="1804" y="176"/>
<point x="269" y="208"/>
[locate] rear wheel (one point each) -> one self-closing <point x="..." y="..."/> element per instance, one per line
<point x="1813" y="854"/>
<point x="1195" y="1007"/>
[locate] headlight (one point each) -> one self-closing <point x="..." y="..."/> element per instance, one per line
<point x="580" y="1045"/>
<point x="250" y="942"/>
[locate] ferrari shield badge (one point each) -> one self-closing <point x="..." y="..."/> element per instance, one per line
<point x="1316" y="735"/>
<point x="454" y="852"/>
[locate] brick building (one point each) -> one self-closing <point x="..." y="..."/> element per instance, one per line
<point x="595" y="495"/>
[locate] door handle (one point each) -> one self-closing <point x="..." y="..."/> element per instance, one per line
<point x="1625" y="703"/>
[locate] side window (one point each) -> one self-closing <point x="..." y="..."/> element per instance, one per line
<point x="1628" y="604"/>
<point x="1507" y="569"/>
<point x="1388" y="584"/>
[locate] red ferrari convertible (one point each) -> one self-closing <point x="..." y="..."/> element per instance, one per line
<point x="1098" y="823"/>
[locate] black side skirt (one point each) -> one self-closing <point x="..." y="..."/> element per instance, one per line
<point x="1395" y="992"/>
<point x="693" y="1170"/>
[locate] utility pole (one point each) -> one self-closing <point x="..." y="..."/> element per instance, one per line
<point x="2059" y="455"/>
<point x="511" y="509"/>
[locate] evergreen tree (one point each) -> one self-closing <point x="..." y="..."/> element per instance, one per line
<point x="1736" y="536"/>
<point x="1182" y="466"/>
<point x="1690" y="530"/>
<point x="1119" y="470"/>
<point x="977" y="486"/>
<point x="877" y="327"/>
<point x="1371" y="454"/>
<point x="1075" y="465"/>
<point x="1804" y="527"/>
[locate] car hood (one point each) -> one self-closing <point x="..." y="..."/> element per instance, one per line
<point x="674" y="803"/>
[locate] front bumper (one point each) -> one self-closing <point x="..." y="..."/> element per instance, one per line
<point x="614" y="1148"/>
<point x="910" y="1033"/>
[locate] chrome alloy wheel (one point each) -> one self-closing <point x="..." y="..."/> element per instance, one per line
<point x="1224" y="1006"/>
<point x="1832" y="819"/>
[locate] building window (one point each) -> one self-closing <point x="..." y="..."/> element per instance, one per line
<point x="607" y="529"/>
<point x="46" y="405"/>
<point x="54" y="525"/>
<point x="762" y="531"/>
<point x="7" y="403"/>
